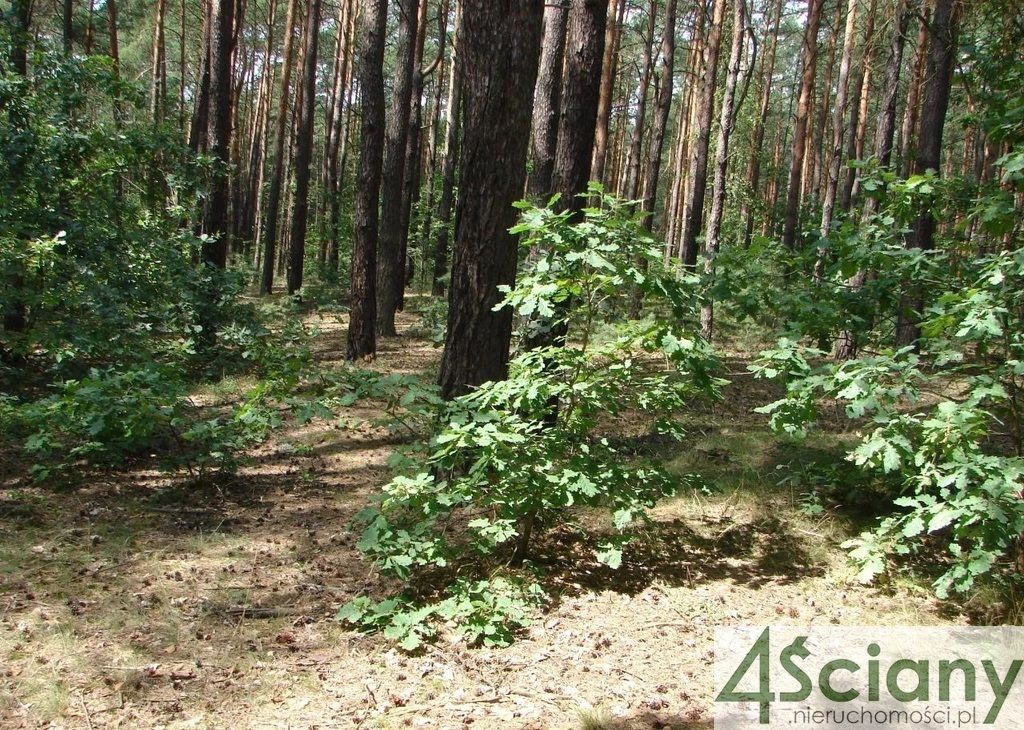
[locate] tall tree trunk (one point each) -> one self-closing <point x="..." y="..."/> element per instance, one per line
<point x="817" y="133"/>
<point x="697" y="175"/>
<point x="433" y="129"/>
<point x="68" y="34"/>
<point x="451" y="156"/>
<point x="304" y="150"/>
<point x="390" y="269"/>
<point x="861" y="88"/>
<point x="577" y="123"/>
<point x="760" y="119"/>
<point x="725" y="125"/>
<point x="838" y="120"/>
<point x="908" y="130"/>
<point x="498" y="55"/>
<point x="261" y="129"/>
<point x="631" y="187"/>
<point x="662" y="109"/>
<point x="609" y="69"/>
<point x="15" y="313"/>
<point x="546" y="101"/>
<point x="339" y="133"/>
<point x="215" y="214"/>
<point x="942" y="49"/>
<point x="803" y="110"/>
<point x="412" y="168"/>
<point x="273" y="205"/>
<point x="362" y="340"/>
<point x="158" y="81"/>
<point x="87" y="42"/>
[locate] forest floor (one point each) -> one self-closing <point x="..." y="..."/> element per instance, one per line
<point x="142" y="601"/>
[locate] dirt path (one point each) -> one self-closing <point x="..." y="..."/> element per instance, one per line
<point x="142" y="602"/>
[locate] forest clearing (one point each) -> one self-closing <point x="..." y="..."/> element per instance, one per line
<point x="447" y="363"/>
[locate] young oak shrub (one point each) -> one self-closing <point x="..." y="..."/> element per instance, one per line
<point x="957" y="458"/>
<point x="511" y="458"/>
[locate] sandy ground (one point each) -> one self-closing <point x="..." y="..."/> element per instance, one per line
<point x="140" y="601"/>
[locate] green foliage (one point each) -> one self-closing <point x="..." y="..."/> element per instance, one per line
<point x="942" y="430"/>
<point x="512" y="457"/>
<point x="483" y="612"/>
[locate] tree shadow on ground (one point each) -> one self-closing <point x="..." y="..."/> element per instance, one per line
<point x="753" y="553"/>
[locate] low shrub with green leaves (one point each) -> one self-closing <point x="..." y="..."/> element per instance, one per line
<point x="512" y="458"/>
<point x="944" y="425"/>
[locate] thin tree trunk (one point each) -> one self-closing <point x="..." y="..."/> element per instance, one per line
<point x="412" y="168"/>
<point x="434" y="125"/>
<point x="662" y="109"/>
<point x="158" y="83"/>
<point x="546" y="102"/>
<point x="390" y="269"/>
<point x="304" y="151"/>
<point x="609" y="69"/>
<point x="861" y="86"/>
<point x="838" y="120"/>
<point x="725" y="125"/>
<point x="215" y="216"/>
<point x="908" y="130"/>
<point x="273" y="205"/>
<point x="362" y="340"/>
<point x="498" y="56"/>
<point x="631" y="188"/>
<point x="451" y="155"/>
<point x="847" y="343"/>
<point x="760" y="119"/>
<point x="803" y="110"/>
<point x="697" y="175"/>
<point x="817" y="133"/>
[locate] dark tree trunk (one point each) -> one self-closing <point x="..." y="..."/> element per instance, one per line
<point x="698" y="173"/>
<point x="215" y="214"/>
<point x="304" y="151"/>
<point x="803" y="111"/>
<point x="861" y="93"/>
<point x="197" y="136"/>
<point x="546" y="102"/>
<point x="580" y="95"/>
<point x="20" y="19"/>
<point x="942" y="48"/>
<point x="273" y="207"/>
<point x="498" y="54"/>
<point x="362" y="341"/>
<point x="412" y="168"/>
<point x="69" y="26"/>
<point x="390" y="267"/>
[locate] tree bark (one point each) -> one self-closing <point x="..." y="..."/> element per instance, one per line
<point x="451" y="156"/>
<point x="803" y="109"/>
<point x="861" y="86"/>
<point x="158" y="82"/>
<point x="609" y="69"/>
<point x="273" y="206"/>
<point x="498" y="55"/>
<point x="631" y="186"/>
<point x="838" y="120"/>
<point x="908" y="130"/>
<point x="304" y="151"/>
<point x="725" y="125"/>
<point x="362" y="341"/>
<point x="942" y="49"/>
<point x="697" y="175"/>
<point x="390" y="269"/>
<point x="215" y="216"/>
<point x="546" y="102"/>
<point x="757" y="137"/>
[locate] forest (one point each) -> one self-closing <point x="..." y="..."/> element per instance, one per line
<point x="438" y="363"/>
